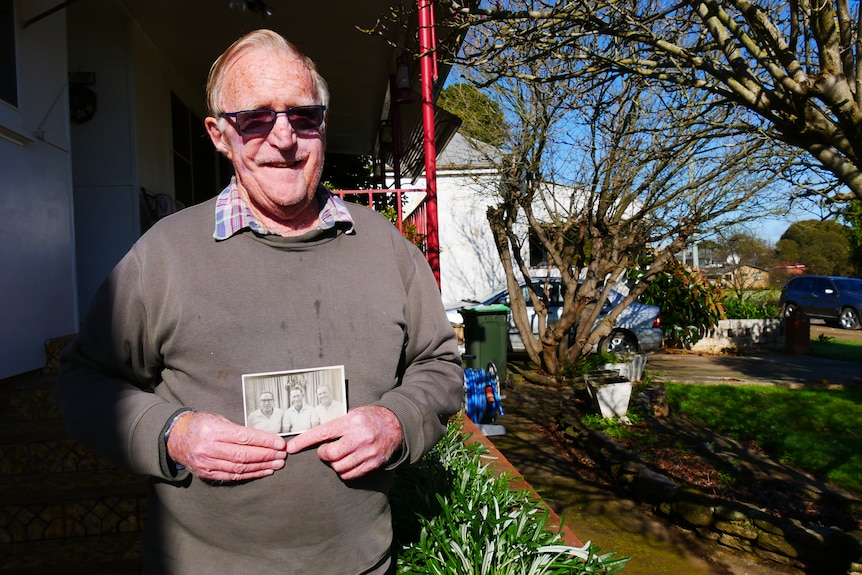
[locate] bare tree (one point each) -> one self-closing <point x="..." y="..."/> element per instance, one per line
<point x="599" y="172"/>
<point x="792" y="67"/>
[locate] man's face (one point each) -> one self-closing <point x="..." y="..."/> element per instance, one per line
<point x="266" y="403"/>
<point x="277" y="172"/>
<point x="296" y="399"/>
<point x="324" y="396"/>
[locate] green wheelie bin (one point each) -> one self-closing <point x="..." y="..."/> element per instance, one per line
<point x="486" y="337"/>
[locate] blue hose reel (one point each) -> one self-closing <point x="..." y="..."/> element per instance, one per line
<point x="482" y="391"/>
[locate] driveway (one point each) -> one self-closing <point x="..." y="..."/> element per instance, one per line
<point x="768" y="368"/>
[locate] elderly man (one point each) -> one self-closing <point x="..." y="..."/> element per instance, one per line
<point x="267" y="417"/>
<point x="327" y="408"/>
<point x="299" y="416"/>
<point x="272" y="275"/>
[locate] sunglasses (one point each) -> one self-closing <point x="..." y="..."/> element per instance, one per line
<point x="260" y="122"/>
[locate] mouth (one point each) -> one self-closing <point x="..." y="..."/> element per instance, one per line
<point x="281" y="163"/>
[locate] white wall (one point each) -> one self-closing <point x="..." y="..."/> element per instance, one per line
<point x="469" y="263"/>
<point x="37" y="281"/>
<point x="128" y="143"/>
<point x="105" y="179"/>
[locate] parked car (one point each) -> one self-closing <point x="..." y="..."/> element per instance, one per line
<point x="637" y="329"/>
<point x="838" y="300"/>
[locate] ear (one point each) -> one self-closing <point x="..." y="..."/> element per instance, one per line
<point x="216" y="136"/>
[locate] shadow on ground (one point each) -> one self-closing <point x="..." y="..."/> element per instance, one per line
<point x="595" y="510"/>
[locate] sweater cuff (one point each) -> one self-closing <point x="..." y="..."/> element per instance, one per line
<point x="412" y="432"/>
<point x="167" y="463"/>
<point x="148" y="449"/>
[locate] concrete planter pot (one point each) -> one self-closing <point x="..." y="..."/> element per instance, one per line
<point x="631" y="367"/>
<point x="610" y="391"/>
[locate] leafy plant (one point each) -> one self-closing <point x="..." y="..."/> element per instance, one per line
<point x="613" y="427"/>
<point x="586" y="363"/>
<point x="452" y="514"/>
<point x="408" y="229"/>
<point x="690" y="304"/>
<point x="747" y="309"/>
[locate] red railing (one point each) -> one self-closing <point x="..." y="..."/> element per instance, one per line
<point x="414" y="226"/>
<point x="421" y="224"/>
<point x="428" y="75"/>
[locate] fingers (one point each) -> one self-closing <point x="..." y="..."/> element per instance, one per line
<point x="214" y="448"/>
<point x="211" y="447"/>
<point x="354" y="444"/>
<point x="317" y="435"/>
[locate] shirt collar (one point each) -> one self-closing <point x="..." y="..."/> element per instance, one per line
<point x="232" y="214"/>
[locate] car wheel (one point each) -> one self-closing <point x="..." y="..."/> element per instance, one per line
<point x="790" y="309"/>
<point x="618" y="342"/>
<point x="848" y="319"/>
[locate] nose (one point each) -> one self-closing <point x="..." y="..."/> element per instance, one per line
<point x="282" y="135"/>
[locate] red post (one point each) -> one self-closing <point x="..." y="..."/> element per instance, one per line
<point x="428" y="71"/>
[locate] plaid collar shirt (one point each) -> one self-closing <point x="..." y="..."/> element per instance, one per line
<point x="232" y="214"/>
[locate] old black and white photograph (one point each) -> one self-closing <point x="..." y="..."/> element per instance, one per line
<point x="290" y="402"/>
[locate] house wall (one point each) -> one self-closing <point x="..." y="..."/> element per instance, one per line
<point x="105" y="175"/>
<point x="469" y="263"/>
<point x="37" y="277"/>
<point x="466" y="186"/>
<point x="127" y="145"/>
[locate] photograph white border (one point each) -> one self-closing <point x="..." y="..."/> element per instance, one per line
<point x="281" y="383"/>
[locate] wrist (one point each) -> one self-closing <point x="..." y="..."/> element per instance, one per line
<point x="169" y="428"/>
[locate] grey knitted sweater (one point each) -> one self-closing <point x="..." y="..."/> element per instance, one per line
<point x="186" y="316"/>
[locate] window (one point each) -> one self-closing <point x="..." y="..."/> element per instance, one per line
<point x="8" y="67"/>
<point x="822" y="286"/>
<point x="199" y="171"/>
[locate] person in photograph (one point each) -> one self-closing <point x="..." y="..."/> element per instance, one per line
<point x="327" y="408"/>
<point x="275" y="273"/>
<point x="267" y="417"/>
<point x="299" y="416"/>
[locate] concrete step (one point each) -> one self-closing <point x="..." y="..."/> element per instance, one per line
<point x="62" y="508"/>
<point x="28" y="397"/>
<point x="117" y="554"/>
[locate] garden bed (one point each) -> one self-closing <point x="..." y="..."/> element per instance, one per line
<point x="718" y="489"/>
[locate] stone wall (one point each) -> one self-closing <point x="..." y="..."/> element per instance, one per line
<point x="736" y="525"/>
<point x="742" y="334"/>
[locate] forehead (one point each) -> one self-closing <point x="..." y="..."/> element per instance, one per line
<point x="261" y="78"/>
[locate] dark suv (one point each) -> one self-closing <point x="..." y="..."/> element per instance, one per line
<point x="837" y="300"/>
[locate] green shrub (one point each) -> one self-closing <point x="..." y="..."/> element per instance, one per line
<point x="748" y="309"/>
<point x="452" y="514"/>
<point x="690" y="304"/>
<point x="586" y="363"/>
<point x="613" y="427"/>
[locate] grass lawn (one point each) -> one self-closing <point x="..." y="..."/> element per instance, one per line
<point x="837" y="349"/>
<point x="819" y="431"/>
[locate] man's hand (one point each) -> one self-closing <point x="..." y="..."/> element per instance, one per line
<point x="354" y="444"/>
<point x="211" y="447"/>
